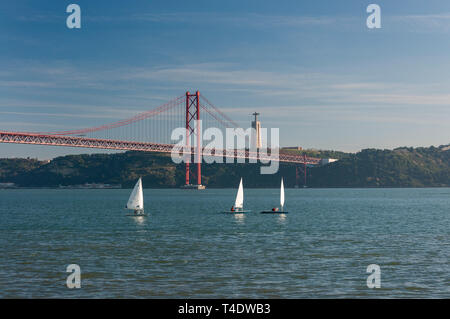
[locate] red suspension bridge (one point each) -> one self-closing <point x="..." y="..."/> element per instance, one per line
<point x="151" y="132"/>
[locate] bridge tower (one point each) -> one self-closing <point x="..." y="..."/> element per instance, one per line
<point x="193" y="129"/>
<point x="297" y="174"/>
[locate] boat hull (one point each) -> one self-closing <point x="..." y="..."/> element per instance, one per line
<point x="274" y="212"/>
<point x="237" y="212"/>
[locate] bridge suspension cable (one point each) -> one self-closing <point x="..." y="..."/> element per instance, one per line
<point x="150" y="131"/>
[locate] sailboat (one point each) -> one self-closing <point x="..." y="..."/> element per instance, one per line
<point x="136" y="200"/>
<point x="276" y="210"/>
<point x="238" y="207"/>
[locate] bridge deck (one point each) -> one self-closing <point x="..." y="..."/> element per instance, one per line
<point x="70" y="141"/>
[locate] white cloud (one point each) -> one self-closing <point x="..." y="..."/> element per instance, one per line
<point x="421" y="22"/>
<point x="231" y="19"/>
<point x="316" y="94"/>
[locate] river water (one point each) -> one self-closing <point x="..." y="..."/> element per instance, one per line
<point x="187" y="248"/>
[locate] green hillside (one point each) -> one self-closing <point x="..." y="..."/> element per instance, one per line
<point x="402" y="167"/>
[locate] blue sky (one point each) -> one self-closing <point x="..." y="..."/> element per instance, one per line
<point x="311" y="68"/>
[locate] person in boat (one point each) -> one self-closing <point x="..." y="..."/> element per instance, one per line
<point x="232" y="208"/>
<point x="275" y="209"/>
<point x="137" y="211"/>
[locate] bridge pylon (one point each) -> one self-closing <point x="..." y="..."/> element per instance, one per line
<point x="297" y="173"/>
<point x="193" y="129"/>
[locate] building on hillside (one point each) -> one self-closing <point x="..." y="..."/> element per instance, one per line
<point x="8" y="185"/>
<point x="293" y="148"/>
<point x="325" y="161"/>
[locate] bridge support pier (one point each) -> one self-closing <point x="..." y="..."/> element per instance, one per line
<point x="297" y="175"/>
<point x="304" y="170"/>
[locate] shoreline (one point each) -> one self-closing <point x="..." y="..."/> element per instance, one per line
<point x="165" y="188"/>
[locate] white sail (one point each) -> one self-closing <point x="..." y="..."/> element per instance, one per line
<point x="239" y="203"/>
<point x="136" y="200"/>
<point x="282" y="194"/>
